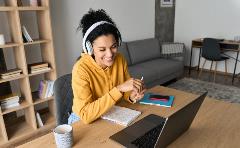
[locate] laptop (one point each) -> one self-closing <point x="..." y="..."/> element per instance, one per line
<point x="155" y="131"/>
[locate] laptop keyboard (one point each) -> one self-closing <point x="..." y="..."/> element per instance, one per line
<point x="149" y="139"/>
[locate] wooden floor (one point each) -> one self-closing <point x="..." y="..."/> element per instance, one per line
<point x="207" y="76"/>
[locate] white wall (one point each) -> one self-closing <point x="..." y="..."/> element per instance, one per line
<point x="135" y="20"/>
<point x="207" y="18"/>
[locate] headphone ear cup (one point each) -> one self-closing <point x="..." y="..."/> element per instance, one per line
<point x="89" y="47"/>
<point x="119" y="39"/>
<point x="119" y="42"/>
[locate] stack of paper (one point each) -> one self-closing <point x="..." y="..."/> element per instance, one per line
<point x="121" y="115"/>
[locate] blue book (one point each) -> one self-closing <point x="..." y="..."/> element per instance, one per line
<point x="146" y="100"/>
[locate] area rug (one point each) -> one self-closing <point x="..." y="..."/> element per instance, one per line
<point x="216" y="91"/>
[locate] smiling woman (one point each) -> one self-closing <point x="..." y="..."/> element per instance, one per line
<point x="100" y="77"/>
<point x="105" y="50"/>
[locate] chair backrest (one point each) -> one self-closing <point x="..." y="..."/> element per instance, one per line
<point x="211" y="49"/>
<point x="63" y="98"/>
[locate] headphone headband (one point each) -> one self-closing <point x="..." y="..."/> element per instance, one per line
<point x="90" y="29"/>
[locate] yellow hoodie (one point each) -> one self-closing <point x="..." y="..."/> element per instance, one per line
<point x="94" y="88"/>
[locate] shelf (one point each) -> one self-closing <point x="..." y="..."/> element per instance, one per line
<point x="31" y="8"/>
<point x="37" y="100"/>
<point x="9" y="45"/>
<point x="32" y="74"/>
<point x="48" y="119"/>
<point x="37" y="41"/>
<point x="18" y="128"/>
<point x="23" y="105"/>
<point x="11" y="79"/>
<point x="3" y="8"/>
<point x="15" y="129"/>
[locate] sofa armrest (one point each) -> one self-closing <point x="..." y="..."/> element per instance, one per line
<point x="169" y="50"/>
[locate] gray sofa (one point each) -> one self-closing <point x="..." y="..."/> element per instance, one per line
<point x="156" y="63"/>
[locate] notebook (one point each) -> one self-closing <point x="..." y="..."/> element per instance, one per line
<point x="146" y="100"/>
<point x="121" y="115"/>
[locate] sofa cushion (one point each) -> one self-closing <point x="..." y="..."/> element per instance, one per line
<point x="164" y="67"/>
<point x="139" y="70"/>
<point x="172" y="50"/>
<point x="143" y="50"/>
<point x="124" y="51"/>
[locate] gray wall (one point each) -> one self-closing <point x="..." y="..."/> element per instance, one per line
<point x="164" y="22"/>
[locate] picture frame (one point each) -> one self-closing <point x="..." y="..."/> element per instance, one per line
<point x="166" y="3"/>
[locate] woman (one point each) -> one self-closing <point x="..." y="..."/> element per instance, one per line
<point x="100" y="77"/>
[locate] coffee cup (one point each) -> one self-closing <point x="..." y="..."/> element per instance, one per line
<point x="63" y="136"/>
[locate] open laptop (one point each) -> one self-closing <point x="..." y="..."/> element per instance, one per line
<point x="155" y="131"/>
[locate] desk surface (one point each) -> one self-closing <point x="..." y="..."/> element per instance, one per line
<point x="216" y="125"/>
<point x="225" y="44"/>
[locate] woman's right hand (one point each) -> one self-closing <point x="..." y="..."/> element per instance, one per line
<point x="132" y="85"/>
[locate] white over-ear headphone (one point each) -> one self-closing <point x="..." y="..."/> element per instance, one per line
<point x="87" y="46"/>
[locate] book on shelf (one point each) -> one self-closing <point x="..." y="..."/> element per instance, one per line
<point x="37" y="65"/>
<point x="34" y="2"/>
<point x="9" y="97"/>
<point x="10" y="76"/>
<point x="39" y="120"/>
<point x="26" y="35"/>
<point x="11" y="71"/>
<point x="8" y="106"/>
<point x="40" y="70"/>
<point x="45" y="89"/>
<point x="157" y="99"/>
<point x="121" y="115"/>
<point x="49" y="91"/>
<point x="24" y="38"/>
<point x="9" y="101"/>
<point x="19" y="3"/>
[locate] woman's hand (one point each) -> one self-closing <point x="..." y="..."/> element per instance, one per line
<point x="136" y="87"/>
<point x="134" y="97"/>
<point x="132" y="84"/>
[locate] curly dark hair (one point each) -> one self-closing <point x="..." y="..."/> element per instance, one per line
<point x="105" y="29"/>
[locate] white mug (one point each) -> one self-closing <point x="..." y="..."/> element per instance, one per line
<point x="2" y="41"/>
<point x="63" y="136"/>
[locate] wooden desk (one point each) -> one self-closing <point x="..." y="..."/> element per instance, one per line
<point x="216" y="125"/>
<point x="225" y="45"/>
